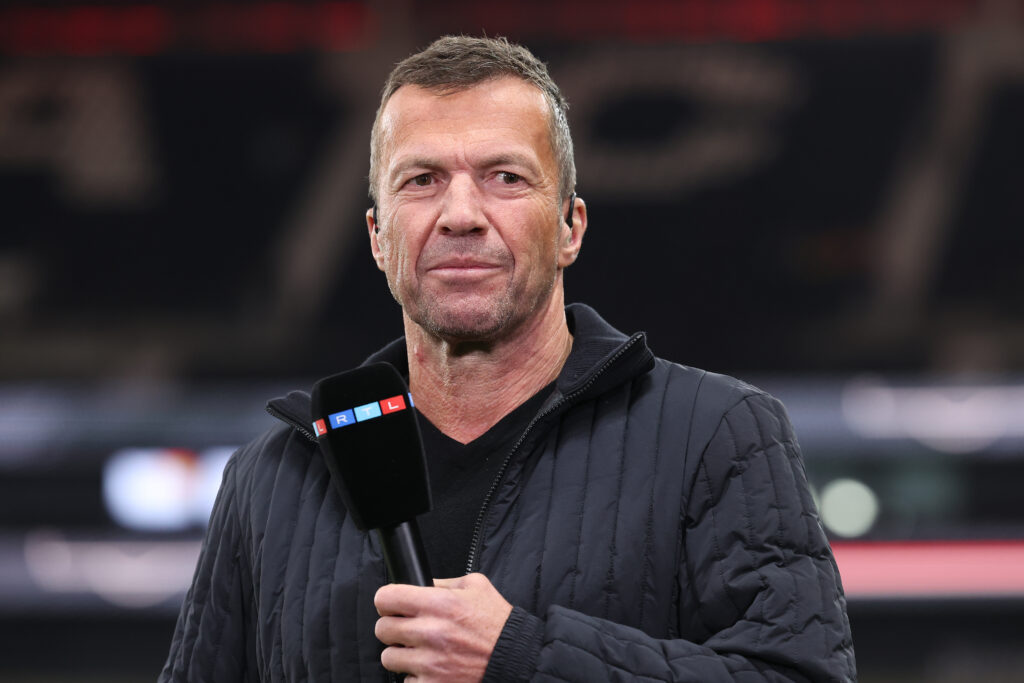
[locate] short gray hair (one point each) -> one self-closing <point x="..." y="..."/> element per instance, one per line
<point x="456" y="63"/>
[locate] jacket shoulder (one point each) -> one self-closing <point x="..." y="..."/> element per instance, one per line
<point x="258" y="463"/>
<point x="712" y="393"/>
<point x="704" y="399"/>
<point x="715" y="389"/>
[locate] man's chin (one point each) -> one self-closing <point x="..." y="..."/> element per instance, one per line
<point x="466" y="324"/>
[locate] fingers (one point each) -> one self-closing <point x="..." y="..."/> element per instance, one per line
<point x="390" y="630"/>
<point x="443" y="633"/>
<point x="402" y="660"/>
<point x="407" y="632"/>
<point x="396" y="599"/>
<point x="406" y="600"/>
<point x="417" y="646"/>
<point x="401" y="599"/>
<point x="469" y="582"/>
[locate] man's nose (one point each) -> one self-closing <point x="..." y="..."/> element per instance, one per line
<point x="462" y="208"/>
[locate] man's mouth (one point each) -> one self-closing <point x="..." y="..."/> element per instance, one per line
<point x="462" y="266"/>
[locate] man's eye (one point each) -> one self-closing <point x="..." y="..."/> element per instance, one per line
<point x="509" y="178"/>
<point x="422" y="180"/>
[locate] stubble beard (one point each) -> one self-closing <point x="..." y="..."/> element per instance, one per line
<point x="484" y="320"/>
<point x="459" y="324"/>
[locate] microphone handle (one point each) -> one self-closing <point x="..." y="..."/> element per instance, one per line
<point x="404" y="554"/>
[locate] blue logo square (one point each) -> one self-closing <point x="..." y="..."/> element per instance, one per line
<point x="367" y="412"/>
<point x="342" y="419"/>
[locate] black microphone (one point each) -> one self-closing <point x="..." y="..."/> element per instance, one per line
<point x="365" y="423"/>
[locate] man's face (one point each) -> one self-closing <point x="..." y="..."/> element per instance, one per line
<point x="471" y="237"/>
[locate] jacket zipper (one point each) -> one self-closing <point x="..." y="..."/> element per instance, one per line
<point x="478" y="527"/>
<point x="288" y="420"/>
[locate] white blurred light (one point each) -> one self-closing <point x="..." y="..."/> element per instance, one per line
<point x="146" y="488"/>
<point x="208" y="476"/>
<point x="848" y="507"/>
<point x="954" y="419"/>
<point x="162" y="489"/>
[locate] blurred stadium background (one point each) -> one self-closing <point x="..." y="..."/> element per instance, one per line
<point x="825" y="198"/>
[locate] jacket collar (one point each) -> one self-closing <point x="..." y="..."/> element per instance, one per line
<point x="601" y="358"/>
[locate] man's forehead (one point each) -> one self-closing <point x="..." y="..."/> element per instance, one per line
<point x="505" y="92"/>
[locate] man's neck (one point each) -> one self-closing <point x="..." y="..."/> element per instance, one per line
<point x="465" y="389"/>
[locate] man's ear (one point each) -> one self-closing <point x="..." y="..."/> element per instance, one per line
<point x="572" y="236"/>
<point x="374" y="231"/>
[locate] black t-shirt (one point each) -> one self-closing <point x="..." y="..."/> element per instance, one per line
<point x="460" y="477"/>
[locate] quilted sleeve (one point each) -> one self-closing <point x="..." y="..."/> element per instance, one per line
<point x="213" y="639"/>
<point x="758" y="584"/>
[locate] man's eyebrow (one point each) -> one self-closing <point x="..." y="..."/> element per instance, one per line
<point x="508" y="158"/>
<point x="404" y="165"/>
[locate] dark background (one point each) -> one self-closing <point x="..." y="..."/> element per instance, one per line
<point x="823" y="198"/>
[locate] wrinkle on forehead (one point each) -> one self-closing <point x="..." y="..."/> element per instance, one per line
<point x="413" y="108"/>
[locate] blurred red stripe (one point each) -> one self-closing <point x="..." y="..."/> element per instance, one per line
<point x="919" y="569"/>
<point x="140" y="29"/>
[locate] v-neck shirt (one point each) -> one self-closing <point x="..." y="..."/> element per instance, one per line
<point x="460" y="477"/>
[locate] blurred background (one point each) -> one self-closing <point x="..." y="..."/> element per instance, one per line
<point x="825" y="198"/>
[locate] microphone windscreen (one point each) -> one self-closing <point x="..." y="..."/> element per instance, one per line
<point x="365" y="423"/>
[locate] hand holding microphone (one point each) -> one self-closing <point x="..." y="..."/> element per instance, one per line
<point x="367" y="430"/>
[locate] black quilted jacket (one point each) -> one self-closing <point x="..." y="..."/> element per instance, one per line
<point x="653" y="523"/>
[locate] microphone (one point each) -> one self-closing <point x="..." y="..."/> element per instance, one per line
<point x="365" y="424"/>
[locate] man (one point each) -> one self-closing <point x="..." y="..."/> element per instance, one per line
<point x="600" y="514"/>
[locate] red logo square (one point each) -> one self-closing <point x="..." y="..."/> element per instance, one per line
<point x="390" y="405"/>
<point x="320" y="427"/>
